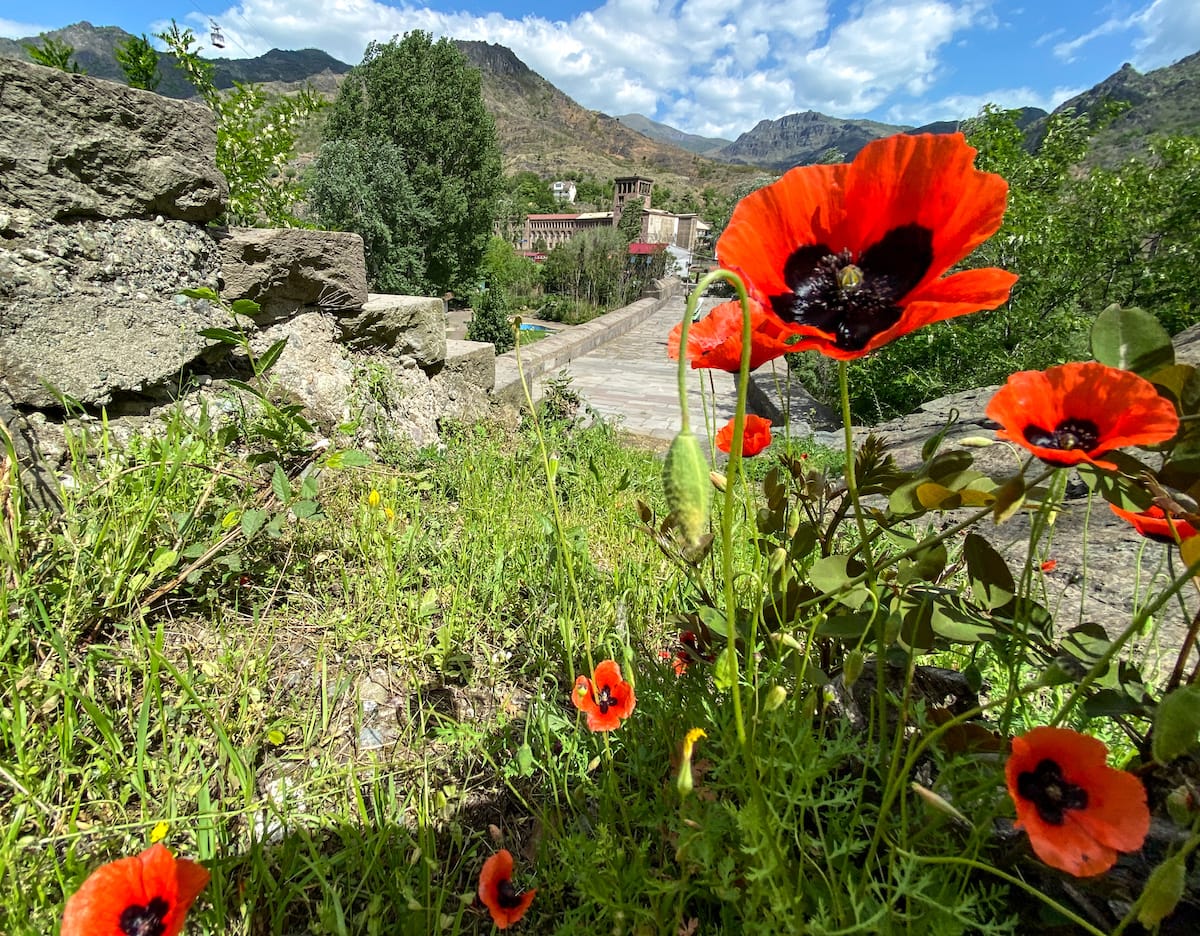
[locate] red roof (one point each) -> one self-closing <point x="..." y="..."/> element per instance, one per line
<point x="642" y="248"/>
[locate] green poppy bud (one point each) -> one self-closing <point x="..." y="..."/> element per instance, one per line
<point x="688" y="487"/>
<point x="853" y="667"/>
<point x="776" y="696"/>
<point x="1162" y="893"/>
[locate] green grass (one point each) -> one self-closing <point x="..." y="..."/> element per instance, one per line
<point x="366" y="690"/>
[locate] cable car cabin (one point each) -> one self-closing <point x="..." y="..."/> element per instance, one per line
<point x="215" y="36"/>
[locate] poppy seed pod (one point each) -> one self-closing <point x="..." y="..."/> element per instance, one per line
<point x="688" y="487"/>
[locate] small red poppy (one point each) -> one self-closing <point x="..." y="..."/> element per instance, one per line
<point x="716" y="340"/>
<point x="1154" y="523"/>
<point x="687" y="653"/>
<point x="1077" y="412"/>
<point x="497" y="892"/>
<point x="850" y="257"/>
<point x="149" y="893"/>
<point x="1049" y="565"/>
<point x="756" y="436"/>
<point x="606" y="698"/>
<point x="1078" y="811"/>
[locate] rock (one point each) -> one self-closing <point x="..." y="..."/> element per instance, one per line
<point x="77" y="147"/>
<point x="806" y="413"/>
<point x="412" y="325"/>
<point x="287" y="269"/>
<point x="312" y="369"/>
<point x="473" y="361"/>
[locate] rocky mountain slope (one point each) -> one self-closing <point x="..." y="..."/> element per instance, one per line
<point x="693" y="143"/>
<point x="800" y="139"/>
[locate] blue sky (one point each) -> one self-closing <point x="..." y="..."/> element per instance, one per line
<point x="717" y="67"/>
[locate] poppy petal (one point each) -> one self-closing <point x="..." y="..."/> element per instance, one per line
<point x="496" y="892"/>
<point x="1154" y="524"/>
<point x="1117" y="814"/>
<point x="756" y="435"/>
<point x="851" y="256"/>
<point x="715" y="341"/>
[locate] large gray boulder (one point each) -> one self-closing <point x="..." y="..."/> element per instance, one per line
<point x="405" y="325"/>
<point x="91" y="312"/>
<point x="78" y="147"/>
<point x="285" y="270"/>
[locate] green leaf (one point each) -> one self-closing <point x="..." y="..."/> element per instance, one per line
<point x="303" y="509"/>
<point x="844" y="626"/>
<point x="281" y="485"/>
<point x="724" y="670"/>
<point x="162" y="560"/>
<point x="925" y="566"/>
<point x="991" y="581"/>
<point x="201" y="292"/>
<point x="954" y="619"/>
<point x="714" y="620"/>
<point x="247" y="388"/>
<point x="1131" y="339"/>
<point x="351" y="458"/>
<point x="252" y="522"/>
<point x="267" y="359"/>
<point x="246" y="307"/>
<point x="1176" y="724"/>
<point x="224" y="335"/>
<point x="1009" y="498"/>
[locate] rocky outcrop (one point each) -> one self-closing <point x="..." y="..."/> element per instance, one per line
<point x="74" y="147"/>
<point x="117" y="298"/>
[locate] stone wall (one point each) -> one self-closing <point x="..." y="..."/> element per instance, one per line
<point x="107" y="194"/>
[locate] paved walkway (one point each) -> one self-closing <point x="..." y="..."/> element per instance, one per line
<point x="631" y="381"/>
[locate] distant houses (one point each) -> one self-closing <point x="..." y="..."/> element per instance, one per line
<point x="542" y="232"/>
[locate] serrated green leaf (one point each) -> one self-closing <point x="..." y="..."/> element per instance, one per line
<point x="1131" y="339"/>
<point x="252" y="521"/>
<point x="281" y="485"/>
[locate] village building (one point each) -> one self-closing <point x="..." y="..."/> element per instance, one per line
<point x="544" y="232"/>
<point x="563" y="190"/>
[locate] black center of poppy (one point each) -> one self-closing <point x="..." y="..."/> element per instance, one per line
<point x="148" y="920"/>
<point x="1068" y="434"/>
<point x="507" y="896"/>
<point x="1045" y="787"/>
<point x="604" y="700"/>
<point x="855" y="301"/>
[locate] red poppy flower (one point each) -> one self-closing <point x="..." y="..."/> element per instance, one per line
<point x="149" y="893"/>
<point x="1154" y="523"/>
<point x="756" y="436"/>
<point x="1078" y="811"/>
<point x="687" y="653"/>
<point x="851" y="257"/>
<point x="497" y="892"/>
<point x="1077" y="412"/>
<point x="716" y="340"/>
<point x="606" y="698"/>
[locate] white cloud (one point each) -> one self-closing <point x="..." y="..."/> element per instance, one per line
<point x="1167" y="31"/>
<point x="12" y="29"/>
<point x="962" y="106"/>
<point x="706" y="66"/>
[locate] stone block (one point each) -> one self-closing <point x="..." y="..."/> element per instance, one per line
<point x="78" y="147"/>
<point x="473" y="361"/>
<point x="406" y="325"/>
<point x="288" y="269"/>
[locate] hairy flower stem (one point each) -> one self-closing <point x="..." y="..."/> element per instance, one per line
<point x="734" y="467"/>
<point x="560" y="532"/>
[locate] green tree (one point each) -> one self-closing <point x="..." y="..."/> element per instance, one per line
<point x="54" y="53"/>
<point x="489" y="320"/>
<point x="419" y="105"/>
<point x="256" y="138"/>
<point x="630" y="224"/>
<point x="139" y="61"/>
<point x="504" y="268"/>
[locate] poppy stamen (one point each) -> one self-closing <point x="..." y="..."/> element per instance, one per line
<point x="507" y="896"/>
<point x="1045" y="787"/>
<point x="1068" y="434"/>
<point x="145" y="920"/>
<point x="855" y="301"/>
<point x="604" y="700"/>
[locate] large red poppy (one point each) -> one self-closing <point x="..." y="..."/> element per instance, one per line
<point x="756" y="435"/>
<point x="1078" y="811"/>
<point x="1154" y="523"/>
<point x="852" y="256"/>
<point x="606" y="698"/>
<point x="497" y="892"/>
<point x="149" y="893"/>
<point x="1077" y="412"/>
<point x="716" y="340"/>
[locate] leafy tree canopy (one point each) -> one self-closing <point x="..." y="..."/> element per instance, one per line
<point x="139" y="62"/>
<point x="54" y="53"/>
<point x="413" y="113"/>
